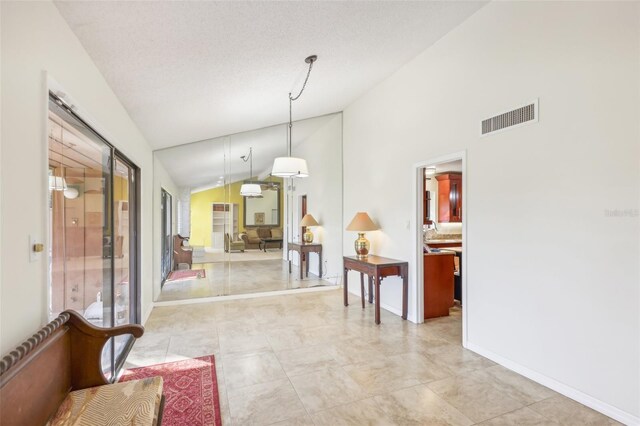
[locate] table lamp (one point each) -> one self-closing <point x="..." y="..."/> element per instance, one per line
<point x="308" y="221"/>
<point x="361" y="223"/>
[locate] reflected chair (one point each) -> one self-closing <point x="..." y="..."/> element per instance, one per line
<point x="181" y="254"/>
<point x="230" y="244"/>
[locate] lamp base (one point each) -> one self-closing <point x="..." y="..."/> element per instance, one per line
<point x="308" y="236"/>
<point x="362" y="246"/>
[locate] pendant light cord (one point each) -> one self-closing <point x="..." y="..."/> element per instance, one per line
<point x="249" y="158"/>
<point x="310" y="60"/>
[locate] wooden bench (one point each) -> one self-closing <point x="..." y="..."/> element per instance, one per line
<point x="43" y="380"/>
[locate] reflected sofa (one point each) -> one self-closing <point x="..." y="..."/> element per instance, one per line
<point x="252" y="236"/>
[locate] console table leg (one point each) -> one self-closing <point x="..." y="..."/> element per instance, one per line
<point x="362" y="288"/>
<point x="345" y="285"/>
<point x="306" y="265"/>
<point x="370" y="289"/>
<point x="377" y="284"/>
<point x="405" y="293"/>
<point x="301" y="266"/>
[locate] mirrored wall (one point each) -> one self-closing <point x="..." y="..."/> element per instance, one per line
<point x="238" y="229"/>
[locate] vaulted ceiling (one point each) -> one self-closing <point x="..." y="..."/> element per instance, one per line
<point x="189" y="71"/>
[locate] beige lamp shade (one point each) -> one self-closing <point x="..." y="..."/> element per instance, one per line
<point x="309" y="220"/>
<point x="361" y="222"/>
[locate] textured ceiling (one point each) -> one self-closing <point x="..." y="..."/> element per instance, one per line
<point x="188" y="71"/>
<point x="204" y="164"/>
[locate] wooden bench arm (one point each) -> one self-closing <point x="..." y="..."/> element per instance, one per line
<point x="89" y="329"/>
<point x="87" y="342"/>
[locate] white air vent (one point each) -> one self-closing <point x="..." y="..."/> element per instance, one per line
<point x="508" y="120"/>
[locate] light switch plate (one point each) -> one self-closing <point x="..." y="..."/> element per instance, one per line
<point x="33" y="255"/>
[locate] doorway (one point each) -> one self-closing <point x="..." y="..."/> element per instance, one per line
<point x="440" y="236"/>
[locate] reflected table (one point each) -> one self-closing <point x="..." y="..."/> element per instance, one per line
<point x="262" y="245"/>
<point x="303" y="252"/>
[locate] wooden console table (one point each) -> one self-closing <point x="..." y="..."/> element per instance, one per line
<point x="303" y="248"/>
<point x="377" y="268"/>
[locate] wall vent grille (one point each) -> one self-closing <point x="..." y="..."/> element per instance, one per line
<point x="519" y="116"/>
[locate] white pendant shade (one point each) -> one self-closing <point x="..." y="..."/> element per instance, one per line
<point x="288" y="167"/>
<point x="250" y="190"/>
<point x="71" y="193"/>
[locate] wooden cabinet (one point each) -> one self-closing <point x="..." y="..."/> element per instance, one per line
<point x="438" y="284"/>
<point x="426" y="204"/>
<point x="449" y="197"/>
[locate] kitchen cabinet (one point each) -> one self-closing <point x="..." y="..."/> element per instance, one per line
<point x="444" y="243"/>
<point x="438" y="283"/>
<point x="426" y="204"/>
<point x="449" y="197"/>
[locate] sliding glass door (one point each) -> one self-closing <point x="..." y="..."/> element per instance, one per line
<point x="167" y="238"/>
<point x="93" y="221"/>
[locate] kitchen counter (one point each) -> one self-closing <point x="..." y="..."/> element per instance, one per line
<point x="442" y="241"/>
<point x="454" y="249"/>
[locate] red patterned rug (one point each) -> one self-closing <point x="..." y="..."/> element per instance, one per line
<point x="186" y="274"/>
<point x="190" y="390"/>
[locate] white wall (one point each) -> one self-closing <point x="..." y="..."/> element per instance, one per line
<point x="553" y="281"/>
<point x="323" y="187"/>
<point x="183" y="211"/>
<point x="268" y="205"/>
<point x="161" y="180"/>
<point x="37" y="42"/>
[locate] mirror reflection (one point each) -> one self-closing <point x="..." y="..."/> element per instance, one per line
<point x="264" y="209"/>
<point x="237" y="227"/>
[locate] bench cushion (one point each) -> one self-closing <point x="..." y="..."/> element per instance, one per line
<point x="129" y="403"/>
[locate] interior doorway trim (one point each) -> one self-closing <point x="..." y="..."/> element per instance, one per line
<point x="418" y="187"/>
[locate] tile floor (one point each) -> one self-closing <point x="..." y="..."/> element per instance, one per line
<point x="237" y="277"/>
<point x="304" y="359"/>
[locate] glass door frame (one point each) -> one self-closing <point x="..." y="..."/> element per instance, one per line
<point x="166" y="200"/>
<point x="135" y="300"/>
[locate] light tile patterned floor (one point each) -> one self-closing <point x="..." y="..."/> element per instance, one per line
<point x="304" y="359"/>
<point x="238" y="277"/>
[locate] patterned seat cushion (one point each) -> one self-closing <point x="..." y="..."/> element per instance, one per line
<point x="276" y="233"/>
<point x="128" y="403"/>
<point x="252" y="234"/>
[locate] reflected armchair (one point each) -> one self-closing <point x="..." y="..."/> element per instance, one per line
<point x="181" y="254"/>
<point x="230" y="244"/>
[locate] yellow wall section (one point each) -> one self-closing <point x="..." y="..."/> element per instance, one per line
<point x="120" y="188"/>
<point x="201" y="210"/>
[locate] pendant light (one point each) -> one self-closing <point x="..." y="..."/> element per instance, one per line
<point x="249" y="189"/>
<point x="290" y="167"/>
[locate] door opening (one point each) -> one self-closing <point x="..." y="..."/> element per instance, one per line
<point x="440" y="237"/>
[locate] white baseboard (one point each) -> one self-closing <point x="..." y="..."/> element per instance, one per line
<point x="244" y="296"/>
<point x="146" y="317"/>
<point x="561" y="388"/>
